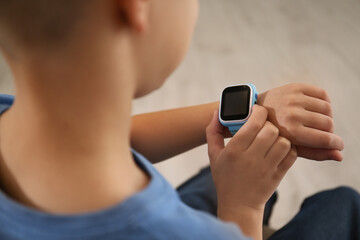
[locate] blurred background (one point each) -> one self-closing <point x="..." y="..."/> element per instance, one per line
<point x="269" y="43"/>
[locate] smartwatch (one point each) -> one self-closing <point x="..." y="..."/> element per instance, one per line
<point x="236" y="104"/>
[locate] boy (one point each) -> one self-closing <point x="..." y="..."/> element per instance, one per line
<point x="67" y="169"/>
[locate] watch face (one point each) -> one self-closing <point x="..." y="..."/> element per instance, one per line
<point x="235" y="103"/>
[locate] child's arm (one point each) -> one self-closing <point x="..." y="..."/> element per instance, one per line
<point x="162" y="135"/>
<point x="301" y="112"/>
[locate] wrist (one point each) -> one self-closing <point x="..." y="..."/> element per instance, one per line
<point x="261" y="98"/>
<point x="249" y="219"/>
<point x="241" y="210"/>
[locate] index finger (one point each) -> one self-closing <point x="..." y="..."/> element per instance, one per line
<point x="246" y="135"/>
<point x="316" y="92"/>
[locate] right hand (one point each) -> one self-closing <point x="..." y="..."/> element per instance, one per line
<point x="248" y="170"/>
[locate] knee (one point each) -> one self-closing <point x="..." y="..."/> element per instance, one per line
<point x="345" y="196"/>
<point x="346" y="193"/>
<point x="339" y="198"/>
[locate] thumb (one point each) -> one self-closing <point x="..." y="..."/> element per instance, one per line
<point x="215" y="137"/>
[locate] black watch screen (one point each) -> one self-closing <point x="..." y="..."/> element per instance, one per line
<point x="235" y="102"/>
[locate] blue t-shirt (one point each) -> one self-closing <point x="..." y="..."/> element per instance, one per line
<point x="154" y="213"/>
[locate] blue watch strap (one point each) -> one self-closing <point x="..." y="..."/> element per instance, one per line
<point x="233" y="129"/>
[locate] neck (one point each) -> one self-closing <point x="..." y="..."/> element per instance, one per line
<point x="82" y="103"/>
<point x="71" y="119"/>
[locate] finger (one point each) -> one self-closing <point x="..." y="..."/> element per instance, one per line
<point x="318" y="105"/>
<point x="214" y="136"/>
<point x="278" y="151"/>
<point x="317" y="121"/>
<point x="265" y="138"/>
<point x="288" y="161"/>
<point x="319" y="154"/>
<point x="246" y="135"/>
<point x="313" y="91"/>
<point x="310" y="137"/>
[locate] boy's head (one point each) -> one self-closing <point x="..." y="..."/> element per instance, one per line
<point x="157" y="32"/>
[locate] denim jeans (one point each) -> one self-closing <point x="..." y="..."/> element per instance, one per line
<point x="330" y="215"/>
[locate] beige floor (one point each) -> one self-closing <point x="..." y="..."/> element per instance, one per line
<point x="270" y="43"/>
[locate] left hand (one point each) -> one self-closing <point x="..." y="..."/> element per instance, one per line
<point x="303" y="114"/>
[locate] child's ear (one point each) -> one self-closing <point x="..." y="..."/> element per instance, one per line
<point x="135" y="14"/>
